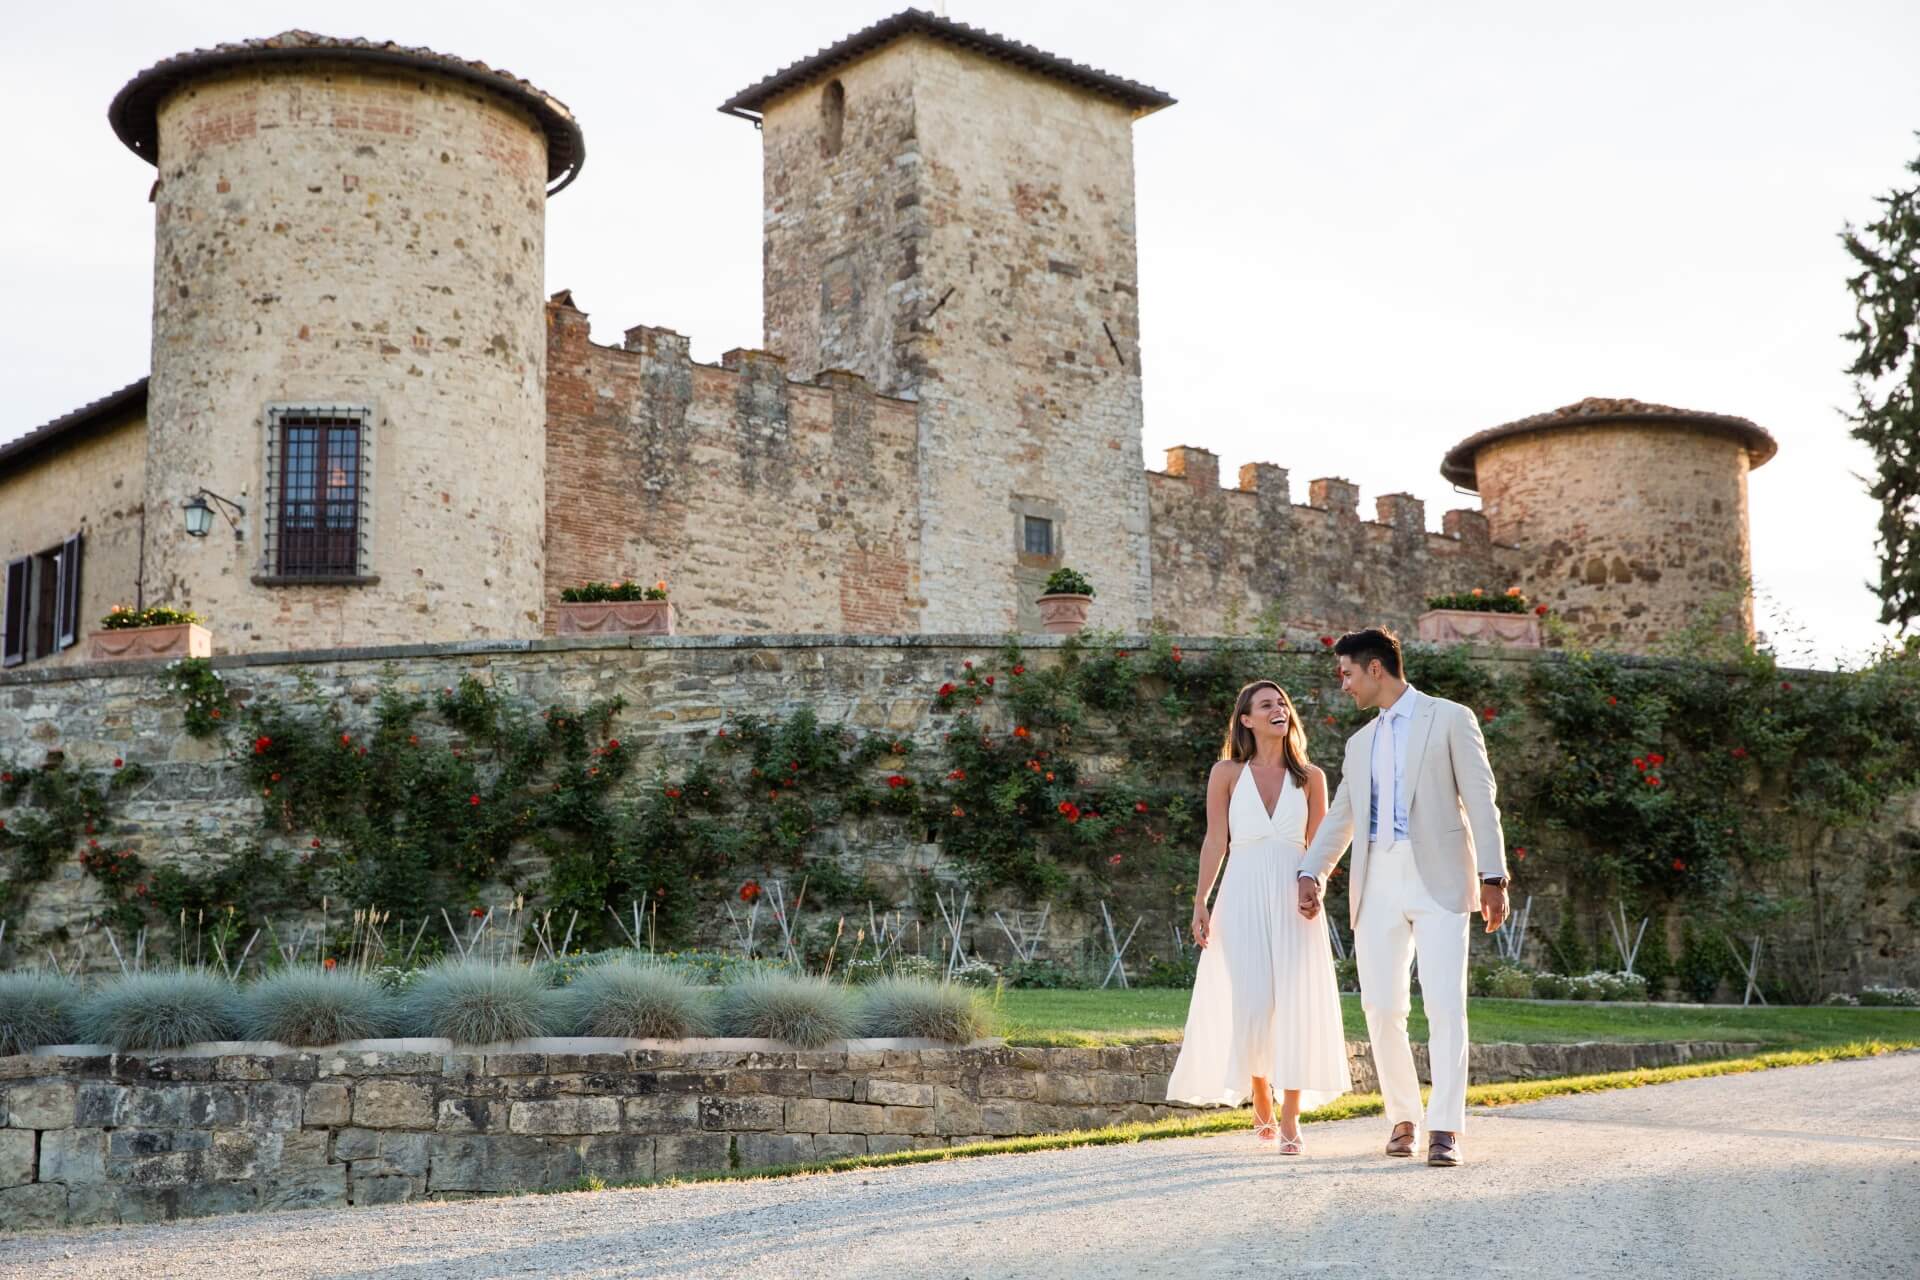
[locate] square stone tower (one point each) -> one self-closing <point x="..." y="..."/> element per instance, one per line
<point x="951" y="215"/>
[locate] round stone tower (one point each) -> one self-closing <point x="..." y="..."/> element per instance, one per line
<point x="348" y="339"/>
<point x="1630" y="519"/>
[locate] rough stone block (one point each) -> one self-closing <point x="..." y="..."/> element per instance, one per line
<point x="38" y="1204"/>
<point x="327" y="1103"/>
<point x="806" y="1115"/>
<point x="324" y="1187"/>
<point x="93" y="1204"/>
<point x="275" y="1107"/>
<point x="565" y="1115"/>
<point x="381" y="1189"/>
<point x="1153" y="1088"/>
<point x="751" y="1112"/>
<point x="516" y="1064"/>
<point x="237" y="1154"/>
<point x="1008" y="1082"/>
<point x="399" y="1153"/>
<point x="955" y="1113"/>
<point x="356" y="1144"/>
<point x="216" y="1106"/>
<point x="1113" y="1086"/>
<point x="839" y="1146"/>
<point x="899" y="1093"/>
<point x="758" y="1150"/>
<point x="17" y="1158"/>
<point x="205" y="1201"/>
<point x="500" y="1162"/>
<point x="73" y="1155"/>
<point x="243" y="1066"/>
<point x="621" y="1157"/>
<point x="785" y="1084"/>
<point x="392" y="1104"/>
<point x="296" y="1068"/>
<point x="689" y="1153"/>
<point x="913" y="1120"/>
<point x="472" y="1115"/>
<point x="99" y="1105"/>
<point x="664" y="1113"/>
<point x="303" y="1148"/>
<point x="855" y="1117"/>
<point x="1002" y="1118"/>
<point x="47" y="1105"/>
<point x="836" y="1087"/>
<point x="881" y="1144"/>
<point x="155" y="1142"/>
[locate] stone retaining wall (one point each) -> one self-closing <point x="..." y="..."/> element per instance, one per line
<point x="121" y="1138"/>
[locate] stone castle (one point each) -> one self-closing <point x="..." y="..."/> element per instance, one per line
<point x="356" y="361"/>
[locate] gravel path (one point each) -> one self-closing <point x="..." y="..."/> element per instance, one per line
<point x="1809" y="1171"/>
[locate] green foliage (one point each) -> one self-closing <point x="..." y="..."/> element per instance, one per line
<point x="472" y="1002"/>
<point x="59" y="811"/>
<point x="916" y="1008"/>
<point x="1886" y="380"/>
<point x="795" y="1009"/>
<point x="122" y="618"/>
<point x="598" y="592"/>
<point x="159" y="1010"/>
<point x="1509" y="601"/>
<point x="1569" y="948"/>
<point x="36" y="1009"/>
<point x="1654" y="961"/>
<point x="635" y="998"/>
<point x="202" y="693"/>
<point x="312" y="1006"/>
<point x="1068" y="582"/>
<point x="1704" y="961"/>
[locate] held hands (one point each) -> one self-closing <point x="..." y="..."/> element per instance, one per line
<point x="1493" y="904"/>
<point x="1201" y="919"/>
<point x="1309" y="897"/>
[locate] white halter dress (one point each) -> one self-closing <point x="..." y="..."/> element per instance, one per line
<point x="1265" y="1000"/>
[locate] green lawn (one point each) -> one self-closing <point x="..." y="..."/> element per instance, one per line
<point x="1123" y="1017"/>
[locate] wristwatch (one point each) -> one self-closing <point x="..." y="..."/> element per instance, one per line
<point x="1497" y="881"/>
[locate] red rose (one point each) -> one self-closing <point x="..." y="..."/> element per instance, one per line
<point x="958" y="812"/>
<point x="1640" y="763"/>
<point x="1019" y="670"/>
<point x="329" y="963"/>
<point x="1114" y="861"/>
<point x="346" y="739"/>
<point x="261" y="744"/>
<point x="117" y="762"/>
<point x="1329" y="719"/>
<point x="316" y="844"/>
<point x="1739" y="753"/>
<point x="476" y="913"/>
<point x="1020" y="731"/>
<point x="613" y="744"/>
<point x="1327" y="641"/>
<point x="274" y="778"/>
<point x="957" y="775"/>
<point x="1612" y="701"/>
<point x="1139" y="806"/>
<point x="1653" y="779"/>
<point x="1519" y="855"/>
<point x="1656" y="758"/>
<point x="967" y="665"/>
<point x="473" y="799"/>
<point x="946" y="691"/>
<point x="1786" y="685"/>
<point x="1679" y="864"/>
<point x="749" y="891"/>
<point x="1539" y="611"/>
<point x="895" y="781"/>
<point x="673" y="793"/>
<point x="1488" y="714"/>
<point x="413" y="739"/>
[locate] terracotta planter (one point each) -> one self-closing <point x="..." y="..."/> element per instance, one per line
<point x="615" y="618"/>
<point x="132" y="644"/>
<point x="1471" y="626"/>
<point x="1063" y="615"/>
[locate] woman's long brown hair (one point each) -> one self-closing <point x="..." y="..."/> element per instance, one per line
<point x="1239" y="744"/>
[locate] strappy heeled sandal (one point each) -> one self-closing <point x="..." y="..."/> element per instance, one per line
<point x="1266" y="1134"/>
<point x="1292" y="1146"/>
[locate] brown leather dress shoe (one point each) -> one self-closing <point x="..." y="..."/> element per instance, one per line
<point x="1443" y="1149"/>
<point x="1400" y="1141"/>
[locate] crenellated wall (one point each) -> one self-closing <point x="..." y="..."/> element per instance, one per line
<point x="766" y="504"/>
<point x="1223" y="557"/>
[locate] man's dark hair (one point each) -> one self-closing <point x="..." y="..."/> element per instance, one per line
<point x="1364" y="646"/>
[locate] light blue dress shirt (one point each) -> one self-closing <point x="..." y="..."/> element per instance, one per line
<point x="1394" y="721"/>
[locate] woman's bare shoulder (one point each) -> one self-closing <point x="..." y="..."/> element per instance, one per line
<point x="1228" y="769"/>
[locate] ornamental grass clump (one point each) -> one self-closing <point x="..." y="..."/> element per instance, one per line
<point x="797" y="1010"/>
<point x="140" y="1011"/>
<point x="922" y="1010"/>
<point x="637" y="999"/>
<point x="311" y="1006"/>
<point x="36" y="1009"/>
<point x="472" y="1002"/>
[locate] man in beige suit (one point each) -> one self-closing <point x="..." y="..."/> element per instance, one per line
<point x="1416" y="800"/>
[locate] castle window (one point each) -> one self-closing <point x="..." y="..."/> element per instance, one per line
<point x="42" y="605"/>
<point x="317" y="514"/>
<point x="1039" y="535"/>
<point x="833" y="117"/>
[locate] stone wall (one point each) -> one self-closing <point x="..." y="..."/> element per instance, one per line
<point x="965" y="237"/>
<point x="1226" y="556"/>
<point x="92" y="485"/>
<point x="1630" y="529"/>
<point x="331" y="236"/>
<point x="767" y="505"/>
<point x="119" y="1138"/>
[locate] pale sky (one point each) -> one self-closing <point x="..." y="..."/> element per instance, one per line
<point x="1367" y="230"/>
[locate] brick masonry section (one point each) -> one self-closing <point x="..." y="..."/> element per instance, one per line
<point x="130" y="1139"/>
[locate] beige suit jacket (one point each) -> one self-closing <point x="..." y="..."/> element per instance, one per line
<point x="1453" y="821"/>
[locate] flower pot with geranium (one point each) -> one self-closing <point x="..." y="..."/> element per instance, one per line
<point x="1065" y="602"/>
<point x="1479" y="616"/>
<point x="615" y="608"/>
<point x="127" y="634"/>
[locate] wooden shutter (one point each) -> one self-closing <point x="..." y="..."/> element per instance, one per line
<point x="14" y="651"/>
<point x="67" y="623"/>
